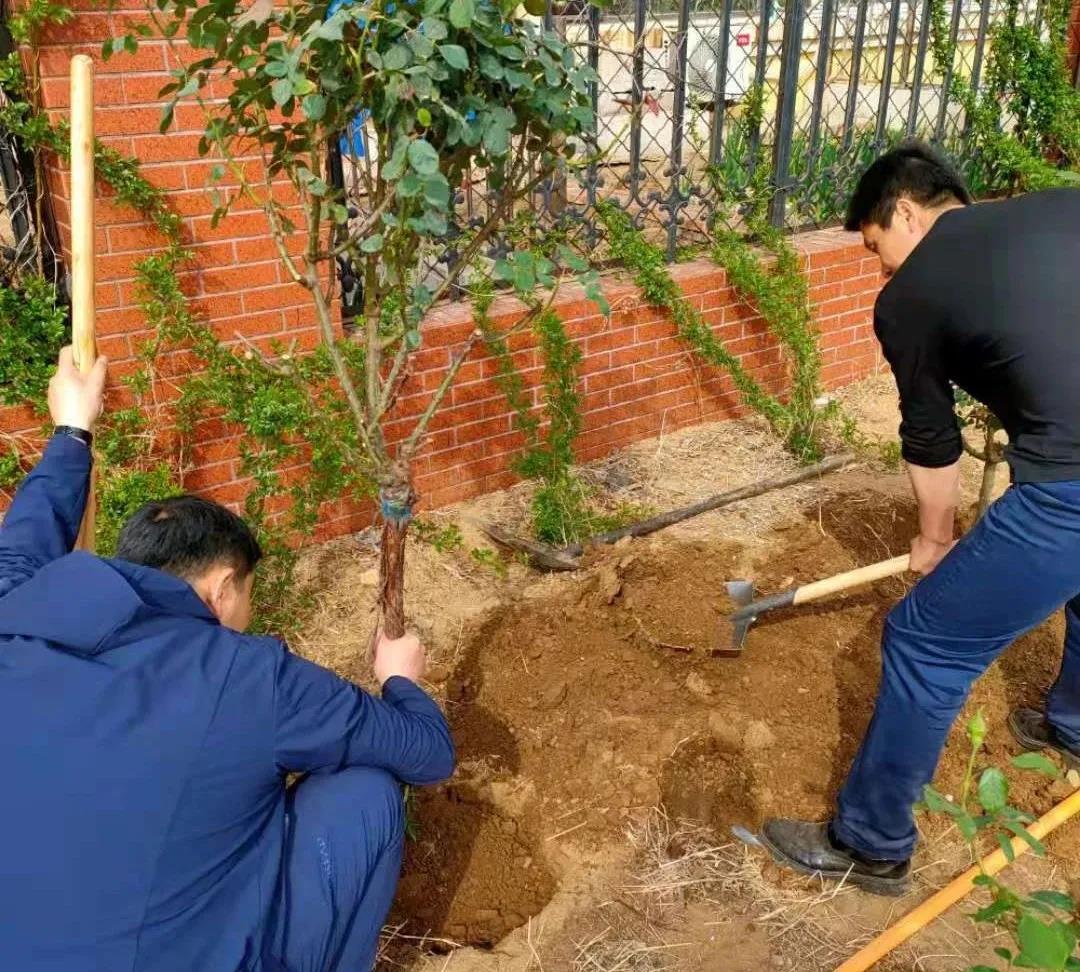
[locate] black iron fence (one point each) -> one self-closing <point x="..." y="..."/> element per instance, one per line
<point x="838" y="82"/>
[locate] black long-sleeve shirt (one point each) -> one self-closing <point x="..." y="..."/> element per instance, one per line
<point x="990" y="301"/>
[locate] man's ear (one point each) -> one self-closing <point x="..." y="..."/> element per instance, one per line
<point x="219" y="583"/>
<point x="907" y="211"/>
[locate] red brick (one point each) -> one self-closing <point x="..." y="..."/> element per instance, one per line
<point x="279" y="296"/>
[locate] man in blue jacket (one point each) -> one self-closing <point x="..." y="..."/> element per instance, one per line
<point x="144" y="739"/>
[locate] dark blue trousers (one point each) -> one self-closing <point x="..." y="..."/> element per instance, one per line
<point x="1018" y="565"/>
<point x="345" y="833"/>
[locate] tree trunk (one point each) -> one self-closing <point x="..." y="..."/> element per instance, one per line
<point x="986" y="491"/>
<point x="396" y="500"/>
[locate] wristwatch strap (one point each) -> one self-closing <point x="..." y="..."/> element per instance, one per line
<point x="86" y="438"/>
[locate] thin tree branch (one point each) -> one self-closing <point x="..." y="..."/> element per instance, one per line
<point x="409" y="447"/>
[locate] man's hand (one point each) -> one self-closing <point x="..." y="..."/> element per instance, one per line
<point x="76" y="399"/>
<point x="399" y="656"/>
<point x="926" y="553"/>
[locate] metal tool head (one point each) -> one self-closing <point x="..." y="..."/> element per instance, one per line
<point x="741" y="593"/>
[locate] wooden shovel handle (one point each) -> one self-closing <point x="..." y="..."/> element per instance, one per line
<point x="852" y="578"/>
<point x="82" y="243"/>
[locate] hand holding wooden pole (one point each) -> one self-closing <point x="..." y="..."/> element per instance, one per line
<point x="82" y="243"/>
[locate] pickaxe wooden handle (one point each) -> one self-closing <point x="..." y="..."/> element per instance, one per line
<point x="82" y="245"/>
<point x="751" y="610"/>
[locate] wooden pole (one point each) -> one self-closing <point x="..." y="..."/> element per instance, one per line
<point x="82" y="244"/>
<point x="956" y="889"/>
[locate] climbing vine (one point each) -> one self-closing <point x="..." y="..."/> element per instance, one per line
<point x="562" y="511"/>
<point x="778" y="291"/>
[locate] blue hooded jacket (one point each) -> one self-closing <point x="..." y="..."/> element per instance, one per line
<point x="143" y="748"/>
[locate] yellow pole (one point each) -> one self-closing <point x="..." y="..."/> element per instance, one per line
<point x="956" y="889"/>
<point x="82" y="243"/>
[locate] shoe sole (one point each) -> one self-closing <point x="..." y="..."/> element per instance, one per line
<point x="1033" y="744"/>
<point x="881" y="886"/>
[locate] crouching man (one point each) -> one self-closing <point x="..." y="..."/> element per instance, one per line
<point x="144" y="822"/>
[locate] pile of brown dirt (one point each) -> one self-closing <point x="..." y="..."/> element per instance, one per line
<point x="575" y="707"/>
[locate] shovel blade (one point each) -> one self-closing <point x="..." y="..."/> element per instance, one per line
<point x="741" y="593"/>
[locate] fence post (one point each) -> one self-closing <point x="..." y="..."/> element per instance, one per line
<point x="761" y="62"/>
<point x="637" y="96"/>
<point x="825" y="37"/>
<point x="946" y="83"/>
<point x="920" y="63"/>
<point x="790" y="55"/>
<point x="855" y="72"/>
<point x="676" y="199"/>
<point x="886" y="74"/>
<point x="716" y="136"/>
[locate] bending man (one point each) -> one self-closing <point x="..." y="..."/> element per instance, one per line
<point x="987" y="298"/>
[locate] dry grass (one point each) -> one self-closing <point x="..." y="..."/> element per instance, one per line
<point x="682" y="862"/>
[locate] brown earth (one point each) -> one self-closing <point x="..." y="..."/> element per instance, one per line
<point x="580" y="703"/>
<point x="572" y="710"/>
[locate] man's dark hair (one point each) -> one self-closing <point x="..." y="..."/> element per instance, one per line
<point x="912" y="169"/>
<point x="186" y="536"/>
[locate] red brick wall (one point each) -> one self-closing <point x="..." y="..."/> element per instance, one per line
<point x="638" y="379"/>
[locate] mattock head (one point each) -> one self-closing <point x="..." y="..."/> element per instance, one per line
<point x="741" y="593"/>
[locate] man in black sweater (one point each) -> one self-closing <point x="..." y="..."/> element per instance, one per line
<point x="986" y="298"/>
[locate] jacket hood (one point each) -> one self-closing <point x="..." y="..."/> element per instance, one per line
<point x="79" y="600"/>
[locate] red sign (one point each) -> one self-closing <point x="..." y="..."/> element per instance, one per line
<point x="743" y="40"/>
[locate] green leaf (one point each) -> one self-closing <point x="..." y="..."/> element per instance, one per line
<point x="936" y="802"/>
<point x="993" y="790"/>
<point x="1056" y="899"/>
<point x="980" y="968"/>
<point x="276" y="69"/>
<point x="1006" y="848"/>
<point x="976" y="729"/>
<point x="396" y="166"/>
<point x="1036" y="762"/>
<point x="462" y="13"/>
<point x="967" y="826"/>
<point x="423" y="157"/>
<point x="1044" y="946"/>
<point x="490" y="66"/>
<point x="456" y="56"/>
<point x="282" y="91"/>
<point x="1036" y="846"/>
<point x="992" y="911"/>
<point x="1003" y="953"/>
<point x="423" y="116"/>
<point x="314" y="106"/>
<point x="167" y="117"/>
<point x="373" y="244"/>
<point x="435" y="29"/>
<point x="410" y="185"/>
<point x="396" y="58"/>
<point x="437" y="192"/>
<point x="331" y="28"/>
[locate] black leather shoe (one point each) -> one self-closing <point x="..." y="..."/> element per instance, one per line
<point x="1030" y="728"/>
<point x="808" y="849"/>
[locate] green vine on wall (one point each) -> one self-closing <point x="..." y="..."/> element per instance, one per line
<point x="780" y="294"/>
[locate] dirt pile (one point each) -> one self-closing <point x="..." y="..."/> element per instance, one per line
<point x="595" y="696"/>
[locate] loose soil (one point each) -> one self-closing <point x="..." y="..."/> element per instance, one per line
<point x="581" y="703"/>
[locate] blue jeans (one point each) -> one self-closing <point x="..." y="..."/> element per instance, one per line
<point x="1017" y="566"/>
<point x="344" y="840"/>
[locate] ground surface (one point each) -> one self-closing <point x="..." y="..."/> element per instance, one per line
<point x="605" y="753"/>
